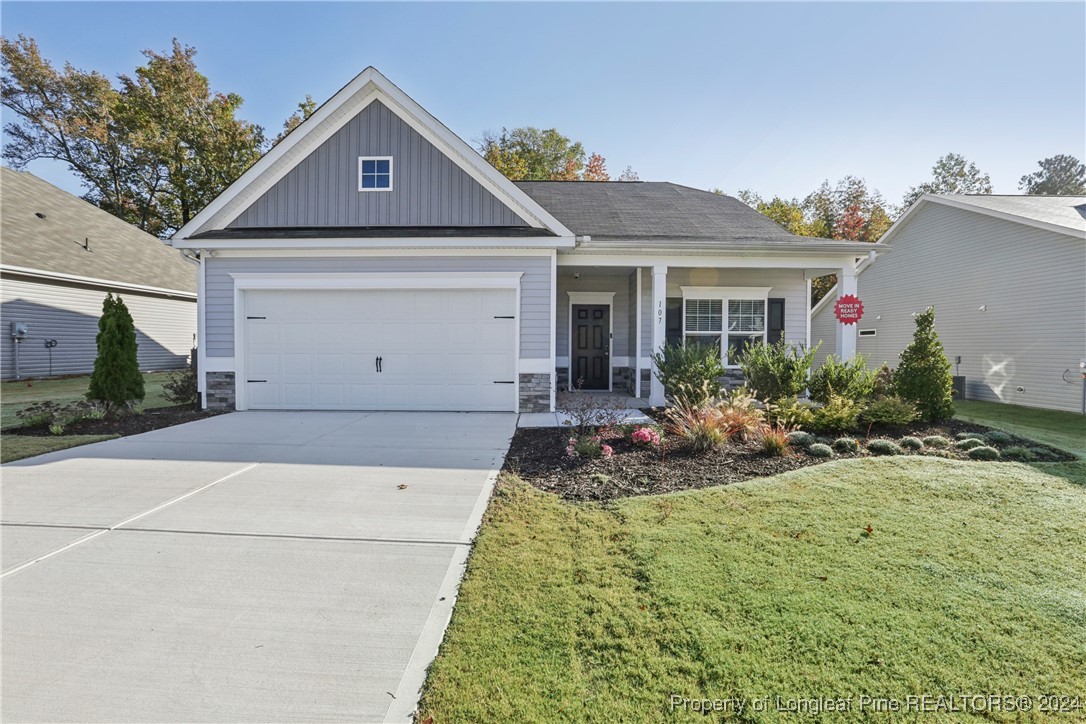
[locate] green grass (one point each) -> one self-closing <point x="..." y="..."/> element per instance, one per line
<point x="972" y="581"/>
<point x="16" y="396"/>
<point x="17" y="447"/>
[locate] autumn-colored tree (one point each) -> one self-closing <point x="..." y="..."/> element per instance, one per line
<point x="596" y="169"/>
<point x="304" y="111"/>
<point x="531" y="154"/>
<point x="951" y="174"/>
<point x="1062" y="175"/>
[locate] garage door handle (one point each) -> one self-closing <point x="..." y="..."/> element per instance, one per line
<point x="503" y="382"/>
<point x="256" y="380"/>
<point x="501" y="317"/>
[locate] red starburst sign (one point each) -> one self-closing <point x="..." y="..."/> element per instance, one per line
<point x="848" y="309"/>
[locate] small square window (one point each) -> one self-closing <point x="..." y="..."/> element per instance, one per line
<point x="375" y="174"/>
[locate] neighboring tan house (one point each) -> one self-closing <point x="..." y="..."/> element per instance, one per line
<point x="59" y="257"/>
<point x="1007" y="278"/>
<point x="373" y="260"/>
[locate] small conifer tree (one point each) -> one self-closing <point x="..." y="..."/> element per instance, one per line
<point x="924" y="377"/>
<point x="116" y="379"/>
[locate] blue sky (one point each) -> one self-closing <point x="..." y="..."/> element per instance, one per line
<point x="774" y="97"/>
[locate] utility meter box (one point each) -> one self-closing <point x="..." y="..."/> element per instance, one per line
<point x="20" y="330"/>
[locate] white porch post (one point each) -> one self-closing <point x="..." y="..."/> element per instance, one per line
<point x="659" y="329"/>
<point x="637" y="338"/>
<point x="846" y="333"/>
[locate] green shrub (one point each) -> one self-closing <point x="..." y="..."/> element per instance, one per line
<point x="846" y="445"/>
<point x="967" y="435"/>
<point x="912" y="443"/>
<point x="923" y="377"/>
<point x="791" y="412"/>
<point x="798" y="438"/>
<point x="588" y="447"/>
<point x="775" y="440"/>
<point x="839" y="414"/>
<point x="818" y="450"/>
<point x="180" y="387"/>
<point x="969" y="443"/>
<point x="1043" y="454"/>
<point x="56" y="429"/>
<point x="689" y="372"/>
<point x="998" y="437"/>
<point x="1020" y="453"/>
<point x="889" y="411"/>
<point x="883" y="447"/>
<point x="884" y="381"/>
<point x="116" y="379"/>
<point x="849" y="379"/>
<point x="984" y="453"/>
<point x="937" y="441"/>
<point x="777" y="371"/>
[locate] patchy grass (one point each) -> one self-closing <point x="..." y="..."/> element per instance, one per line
<point x="18" y="395"/>
<point x="970" y="581"/>
<point x="17" y="447"/>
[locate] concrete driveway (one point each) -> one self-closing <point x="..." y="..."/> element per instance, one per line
<point x="258" y="566"/>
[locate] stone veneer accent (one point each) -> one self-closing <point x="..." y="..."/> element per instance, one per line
<point x="562" y="376"/>
<point x="220" y="391"/>
<point x="535" y="393"/>
<point x="646" y="383"/>
<point x="622" y="379"/>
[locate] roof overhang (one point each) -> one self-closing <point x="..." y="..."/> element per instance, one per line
<point x="50" y="276"/>
<point x="396" y="243"/>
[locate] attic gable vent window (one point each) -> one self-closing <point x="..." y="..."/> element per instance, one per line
<point x="375" y="173"/>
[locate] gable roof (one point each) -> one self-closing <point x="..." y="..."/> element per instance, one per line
<point x="53" y="242"/>
<point x="366" y="87"/>
<point x="1062" y="214"/>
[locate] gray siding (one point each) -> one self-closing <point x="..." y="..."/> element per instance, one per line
<point x="429" y="189"/>
<point x="621" y="343"/>
<point x="69" y="314"/>
<point x="1031" y="281"/>
<point x="535" y="292"/>
<point x="824" y="330"/>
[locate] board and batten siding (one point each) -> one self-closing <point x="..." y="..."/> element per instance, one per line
<point x="428" y="188"/>
<point x="535" y="291"/>
<point x="69" y="314"/>
<point x="1031" y="282"/>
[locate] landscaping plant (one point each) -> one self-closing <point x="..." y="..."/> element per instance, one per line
<point x="936" y="441"/>
<point x="774" y="439"/>
<point x="116" y="379"/>
<point x="969" y="443"/>
<point x="983" y="452"/>
<point x="589" y="413"/>
<point x="998" y="437"/>
<point x="790" y="412"/>
<point x="924" y="377"/>
<point x="800" y="438"/>
<point x="911" y="443"/>
<point x="890" y="410"/>
<point x="180" y="387"/>
<point x="701" y="427"/>
<point x="883" y="447"/>
<point x="645" y="437"/>
<point x="850" y="379"/>
<point x="740" y="414"/>
<point x="839" y="414"/>
<point x="846" y="445"/>
<point x="820" y="450"/>
<point x="1019" y="453"/>
<point x="884" y="381"/>
<point x="777" y="371"/>
<point x="689" y="371"/>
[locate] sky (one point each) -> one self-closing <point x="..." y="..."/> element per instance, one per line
<point x="774" y="97"/>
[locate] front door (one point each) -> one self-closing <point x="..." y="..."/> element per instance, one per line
<point x="591" y="348"/>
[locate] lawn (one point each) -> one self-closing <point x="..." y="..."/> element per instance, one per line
<point x="971" y="580"/>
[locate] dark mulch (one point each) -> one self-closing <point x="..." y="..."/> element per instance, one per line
<point x="537" y="456"/>
<point x="125" y="424"/>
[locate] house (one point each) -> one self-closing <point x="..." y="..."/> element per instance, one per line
<point x="373" y="260"/>
<point x="1007" y="278"/>
<point x="59" y="257"/>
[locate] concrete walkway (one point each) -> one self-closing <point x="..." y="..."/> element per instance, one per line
<point x="251" y="567"/>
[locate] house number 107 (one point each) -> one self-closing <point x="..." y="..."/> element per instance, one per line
<point x="660" y="313"/>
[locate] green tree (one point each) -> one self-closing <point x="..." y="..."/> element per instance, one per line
<point x="152" y="151"/>
<point x="304" y="111"/>
<point x="1062" y="175"/>
<point x="531" y="154"/>
<point x="116" y="379"/>
<point x="951" y="174"/>
<point x="924" y="376"/>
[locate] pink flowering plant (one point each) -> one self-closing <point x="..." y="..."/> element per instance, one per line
<point x="645" y="437"/>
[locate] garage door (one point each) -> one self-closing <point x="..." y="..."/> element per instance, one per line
<point x="380" y="350"/>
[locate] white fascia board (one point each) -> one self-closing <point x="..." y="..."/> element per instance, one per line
<point x="829" y="262"/>
<point x="264" y="253"/>
<point x="402" y="244"/>
<point x="684" y="246"/>
<point x="377" y="280"/>
<point x="93" y="281"/>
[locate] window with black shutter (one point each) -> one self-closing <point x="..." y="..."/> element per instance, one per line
<point x="776" y="320"/>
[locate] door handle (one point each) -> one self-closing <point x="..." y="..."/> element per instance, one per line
<point x="380" y="364"/>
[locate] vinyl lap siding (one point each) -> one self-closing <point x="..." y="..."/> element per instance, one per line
<point x="824" y="332"/>
<point x="69" y="314"/>
<point x="429" y="189"/>
<point x="621" y="345"/>
<point x="535" y="292"/>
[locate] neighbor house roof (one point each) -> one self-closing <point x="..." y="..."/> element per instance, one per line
<point x="45" y="229"/>
<point x="1058" y="213"/>
<point x="646" y="212"/>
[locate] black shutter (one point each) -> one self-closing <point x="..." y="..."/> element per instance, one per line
<point x="673" y="332"/>
<point x="776" y="320"/>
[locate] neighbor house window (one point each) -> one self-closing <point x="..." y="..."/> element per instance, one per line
<point x="731" y="325"/>
<point x="375" y="173"/>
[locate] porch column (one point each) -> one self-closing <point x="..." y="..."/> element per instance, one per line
<point x="659" y="329"/>
<point x="846" y="333"/>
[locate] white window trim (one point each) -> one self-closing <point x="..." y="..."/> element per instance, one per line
<point x="391" y="172"/>
<point x="607" y="298"/>
<point x="725" y="295"/>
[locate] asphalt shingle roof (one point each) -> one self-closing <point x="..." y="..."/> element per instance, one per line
<point x="118" y="251"/>
<point x="1066" y="211"/>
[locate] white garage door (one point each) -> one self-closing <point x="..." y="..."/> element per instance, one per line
<point x="380" y="350"/>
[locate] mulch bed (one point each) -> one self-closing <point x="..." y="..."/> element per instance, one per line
<point x="125" y="424"/>
<point x="537" y="456"/>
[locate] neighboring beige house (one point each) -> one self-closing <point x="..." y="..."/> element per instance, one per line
<point x="1007" y="277"/>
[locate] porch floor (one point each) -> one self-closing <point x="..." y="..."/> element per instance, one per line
<point x="631" y="410"/>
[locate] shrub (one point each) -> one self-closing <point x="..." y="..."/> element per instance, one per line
<point x="1043" y="454"/>
<point x="740" y="414"/>
<point x="936" y="441"/>
<point x="966" y="435"/>
<point x="1019" y="453"/>
<point x="984" y="452"/>
<point x="911" y="443"/>
<point x="884" y="381"/>
<point x="998" y="437"/>
<point x="701" y="427"/>
<point x="846" y="445"/>
<point x="588" y="447"/>
<point x="588" y="413"/>
<point x="839" y="414"/>
<point x="883" y="447"/>
<point x="56" y="429"/>
<point x="689" y="372"/>
<point x="180" y="387"/>
<point x="777" y="371"/>
<point x="800" y="438"/>
<point x="39" y="414"/>
<point x="849" y="379"/>
<point x="889" y="411"/>
<point x="775" y="440"/>
<point x="818" y="450"/>
<point x="791" y="412"/>
<point x="647" y="436"/>
<point x="969" y="443"/>
<point x="923" y="377"/>
<point x="116" y="378"/>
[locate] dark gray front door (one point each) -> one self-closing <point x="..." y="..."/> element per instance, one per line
<point x="591" y="348"/>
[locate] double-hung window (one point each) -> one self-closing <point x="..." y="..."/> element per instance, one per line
<point x="746" y="325"/>
<point x="375" y="173"/>
<point x="726" y="318"/>
<point x="704" y="322"/>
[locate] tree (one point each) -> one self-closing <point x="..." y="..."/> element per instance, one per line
<point x="924" y="377"/>
<point x="1061" y="175"/>
<point x="531" y="154"/>
<point x="596" y="169"/>
<point x="116" y="379"/>
<point x="629" y="175"/>
<point x="951" y="174"/>
<point x="153" y="151"/>
<point x="305" y="110"/>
